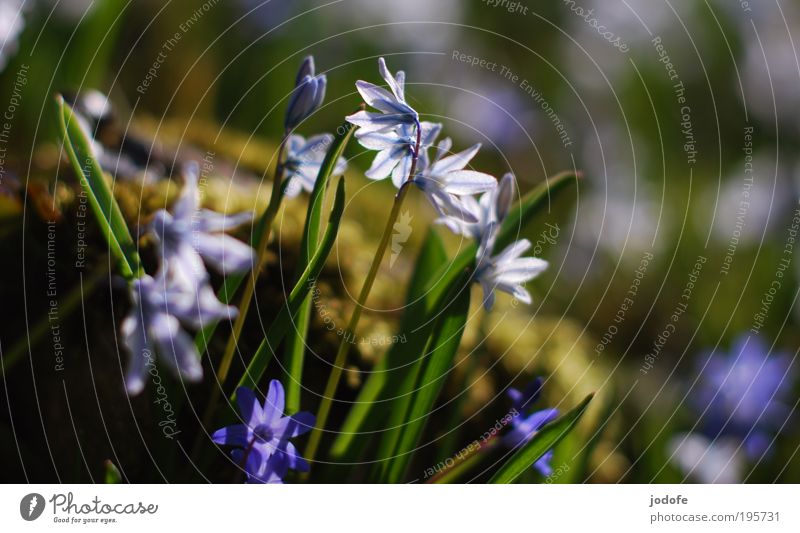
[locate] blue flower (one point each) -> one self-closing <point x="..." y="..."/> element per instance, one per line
<point x="153" y="326"/>
<point x="523" y="427"/>
<point x="190" y="235"/>
<point x="444" y="181"/>
<point x="743" y="393"/>
<point x="394" y="111"/>
<point x="396" y="149"/>
<point x="507" y="271"/>
<point x="263" y="436"/>
<point x="303" y="161"/>
<point x="307" y="96"/>
<point x="487" y="213"/>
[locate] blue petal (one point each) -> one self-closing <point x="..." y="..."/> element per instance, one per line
<point x="249" y="407"/>
<point x="237" y="435"/>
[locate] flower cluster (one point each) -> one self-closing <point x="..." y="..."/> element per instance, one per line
<point x="741" y="401"/>
<point x="403" y="141"/>
<point x="261" y="441"/>
<point x="524" y="427"/>
<point x="180" y="294"/>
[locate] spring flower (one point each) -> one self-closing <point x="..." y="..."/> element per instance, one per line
<point x="524" y="427"/>
<point x="263" y="437"/>
<point x="190" y="235"/>
<point x="488" y="212"/>
<point x="154" y="327"/>
<point x="706" y="460"/>
<point x="394" y="111"/>
<point x="743" y="394"/>
<point x="444" y="181"/>
<point x="396" y="149"/>
<point x="506" y="271"/>
<point x="303" y="161"/>
<point x="307" y="96"/>
<point x="12" y="23"/>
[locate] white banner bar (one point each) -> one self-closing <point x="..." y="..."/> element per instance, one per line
<point x="400" y="508"/>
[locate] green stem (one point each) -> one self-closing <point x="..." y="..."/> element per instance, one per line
<point x="462" y="464"/>
<point x="247" y="296"/>
<point x="350" y="331"/>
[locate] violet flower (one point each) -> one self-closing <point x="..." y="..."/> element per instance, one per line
<point x="744" y="393"/>
<point x="524" y="427"/>
<point x="307" y="96"/>
<point x="444" y="181"/>
<point x="190" y="235"/>
<point x="303" y="161"/>
<point x="153" y="327"/>
<point x="263" y="436"/>
<point x="394" y="111"/>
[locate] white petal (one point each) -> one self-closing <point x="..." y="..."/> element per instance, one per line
<point x="225" y="254"/>
<point x="454" y="162"/>
<point x="383" y="163"/>
<point x="513" y="250"/>
<point x="464" y="182"/>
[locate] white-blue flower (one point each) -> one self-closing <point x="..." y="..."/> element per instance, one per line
<point x="307" y="96"/>
<point x="445" y="181"/>
<point x="190" y="235"/>
<point x="154" y="327"/>
<point x="486" y="214"/>
<point x="396" y="149"/>
<point x="304" y="159"/>
<point x="392" y="106"/>
<point x="507" y="271"/>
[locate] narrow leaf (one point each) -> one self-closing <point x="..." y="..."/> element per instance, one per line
<point x="545" y="439"/>
<point x="112" y="475"/>
<point x="104" y="206"/>
<point x="277" y="330"/>
<point x="296" y="342"/>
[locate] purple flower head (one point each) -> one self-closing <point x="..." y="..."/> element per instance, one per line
<point x="392" y="106"/>
<point x="524" y="427"/>
<point x="396" y="149"/>
<point x="263" y="436"/>
<point x="304" y="159"/>
<point x="743" y="393"/>
<point x="307" y="96"/>
<point x="190" y="235"/>
<point x="487" y="213"/>
<point x="444" y="181"/>
<point x="507" y="271"/>
<point x="154" y="327"/>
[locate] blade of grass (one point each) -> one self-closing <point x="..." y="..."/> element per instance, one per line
<point x="296" y="341"/>
<point x="277" y="330"/>
<point x="435" y="363"/>
<point x="416" y="323"/>
<point x="545" y="439"/>
<point x="101" y="199"/>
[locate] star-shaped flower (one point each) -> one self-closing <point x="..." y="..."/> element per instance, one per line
<point x="445" y="182"/>
<point x="304" y="159"/>
<point x="307" y="96"/>
<point x="524" y="427"/>
<point x="507" y="271"/>
<point x="396" y="149"/>
<point x="189" y="235"/>
<point x="154" y="327"/>
<point x="394" y="111"/>
<point x="491" y="208"/>
<point x="263" y="436"/>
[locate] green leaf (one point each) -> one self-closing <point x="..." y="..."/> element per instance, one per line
<point x="545" y="439"/>
<point x="296" y="342"/>
<point x="435" y="363"/>
<point x="277" y="330"/>
<point x="431" y="257"/>
<point x="104" y="206"/>
<point x="112" y="475"/>
<point x="416" y="323"/>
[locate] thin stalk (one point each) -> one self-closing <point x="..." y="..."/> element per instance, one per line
<point x="249" y="289"/>
<point x="463" y="463"/>
<point x="350" y="331"/>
